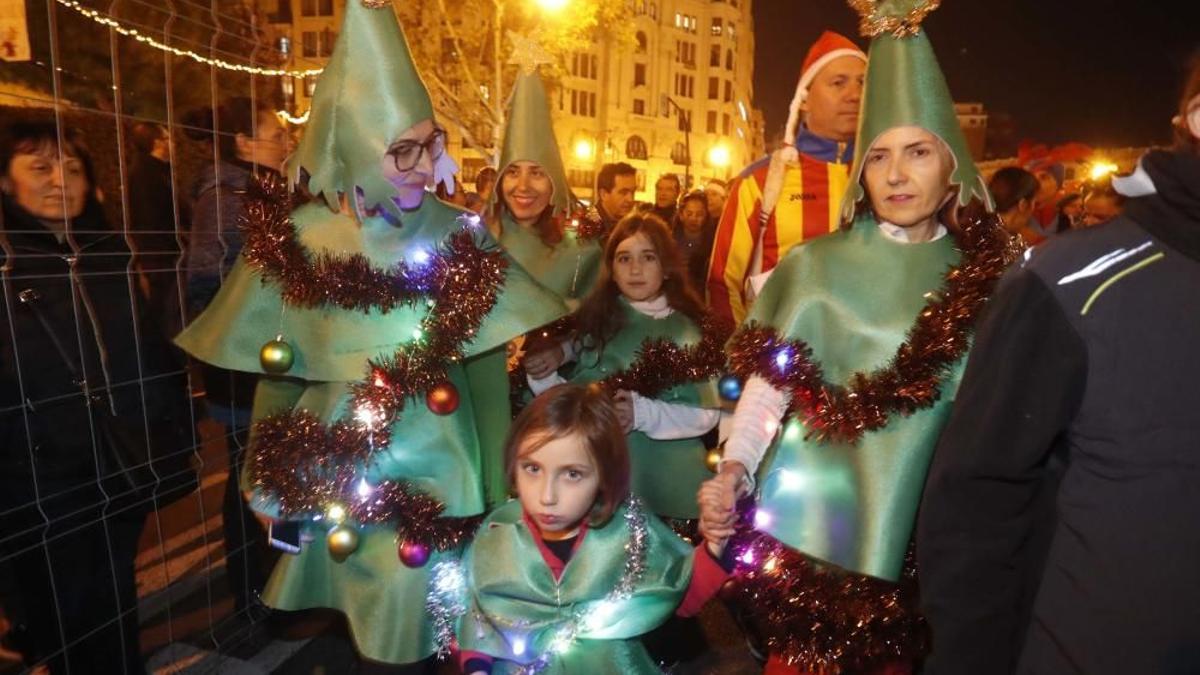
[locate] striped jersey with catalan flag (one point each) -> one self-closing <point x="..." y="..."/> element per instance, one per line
<point x="808" y="207"/>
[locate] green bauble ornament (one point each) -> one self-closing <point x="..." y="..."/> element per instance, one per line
<point x="276" y="357"/>
<point x="342" y="541"/>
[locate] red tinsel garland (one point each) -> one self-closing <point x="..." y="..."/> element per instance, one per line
<point x="661" y="364"/>
<point x="823" y="619"/>
<point x="304" y="465"/>
<point x="912" y="381"/>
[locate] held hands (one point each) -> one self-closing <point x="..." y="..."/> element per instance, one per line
<point x="543" y="359"/>
<point x="623" y="401"/>
<point x="718" y="512"/>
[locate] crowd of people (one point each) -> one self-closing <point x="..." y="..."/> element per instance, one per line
<point x="911" y="418"/>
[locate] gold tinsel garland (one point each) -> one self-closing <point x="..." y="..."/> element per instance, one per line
<point x="873" y="23"/>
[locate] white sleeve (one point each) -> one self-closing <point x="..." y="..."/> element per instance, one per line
<point x="538" y="386"/>
<point x="568" y="349"/>
<point x="669" y="421"/>
<point x="755" y="423"/>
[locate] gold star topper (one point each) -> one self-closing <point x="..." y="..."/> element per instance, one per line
<point x="527" y="53"/>
<point x="901" y="18"/>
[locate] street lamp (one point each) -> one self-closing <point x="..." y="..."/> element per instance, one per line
<point x="552" y="5"/>
<point x="685" y="119"/>
<point x="584" y="150"/>
<point x="719" y="158"/>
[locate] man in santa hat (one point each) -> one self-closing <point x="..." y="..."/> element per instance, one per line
<point x="793" y="195"/>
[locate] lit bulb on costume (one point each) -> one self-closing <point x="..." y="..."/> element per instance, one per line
<point x="276" y="357"/>
<point x="342" y="541"/>
<point x="769" y="565"/>
<point x="336" y="513"/>
<point x="518" y="645"/>
<point x="782" y="357"/>
<point x="421" y="256"/>
<point x="366" y="416"/>
<point x="364" y="489"/>
<point x="762" y="519"/>
<point x="791" y="480"/>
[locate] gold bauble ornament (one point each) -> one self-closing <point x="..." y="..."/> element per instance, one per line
<point x="342" y="541"/>
<point x="276" y="357"/>
<point x="713" y="459"/>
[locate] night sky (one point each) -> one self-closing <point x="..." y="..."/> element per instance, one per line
<point x="1101" y="72"/>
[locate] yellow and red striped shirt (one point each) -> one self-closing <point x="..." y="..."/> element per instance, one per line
<point x="809" y="204"/>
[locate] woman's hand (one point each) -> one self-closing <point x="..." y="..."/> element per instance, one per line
<point x="623" y="401"/>
<point x="544" y="361"/>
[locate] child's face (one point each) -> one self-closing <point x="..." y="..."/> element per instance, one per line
<point x="557" y="485"/>
<point x="637" y="269"/>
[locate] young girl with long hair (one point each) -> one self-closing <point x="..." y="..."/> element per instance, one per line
<point x="567" y="576"/>
<point x="643" y="294"/>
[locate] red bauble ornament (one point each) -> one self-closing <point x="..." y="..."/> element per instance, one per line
<point x="413" y="554"/>
<point x="442" y="399"/>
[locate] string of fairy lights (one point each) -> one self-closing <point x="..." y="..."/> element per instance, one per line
<point x="110" y="22"/>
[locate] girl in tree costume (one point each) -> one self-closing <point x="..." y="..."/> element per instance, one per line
<point x="852" y="353"/>
<point x="565" y="578"/>
<point x="376" y="295"/>
<point x="644" y="321"/>
<point x="532" y="205"/>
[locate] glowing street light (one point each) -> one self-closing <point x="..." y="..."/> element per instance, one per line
<point x="718" y="156"/>
<point x="584" y="149"/>
<point x="552" y="5"/>
<point x="1102" y="168"/>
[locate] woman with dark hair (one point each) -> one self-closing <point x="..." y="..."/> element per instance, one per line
<point x="532" y="204"/>
<point x="1014" y="190"/>
<point x="694" y="235"/>
<point x="644" y="294"/>
<point x="95" y="425"/>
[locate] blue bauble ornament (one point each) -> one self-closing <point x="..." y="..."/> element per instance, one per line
<point x="730" y="388"/>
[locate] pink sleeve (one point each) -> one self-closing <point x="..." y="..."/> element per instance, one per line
<point x="707" y="579"/>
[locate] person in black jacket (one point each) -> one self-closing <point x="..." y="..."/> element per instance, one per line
<point x="1058" y="530"/>
<point x="95" y="421"/>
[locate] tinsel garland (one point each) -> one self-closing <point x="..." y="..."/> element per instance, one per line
<point x="824" y="619"/>
<point x="323" y="280"/>
<point x="872" y="22"/>
<point x="305" y="466"/>
<point x="661" y="364"/>
<point x="446" y="599"/>
<point x="912" y="380"/>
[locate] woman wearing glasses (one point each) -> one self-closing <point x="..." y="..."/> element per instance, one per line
<point x="340" y="462"/>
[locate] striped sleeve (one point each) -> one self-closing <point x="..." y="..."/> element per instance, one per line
<point x="733" y="245"/>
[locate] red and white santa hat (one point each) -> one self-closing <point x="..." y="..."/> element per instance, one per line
<point x="828" y="47"/>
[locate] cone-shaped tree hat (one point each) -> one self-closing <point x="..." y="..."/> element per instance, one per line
<point x="528" y="131"/>
<point x="366" y="97"/>
<point x="905" y="87"/>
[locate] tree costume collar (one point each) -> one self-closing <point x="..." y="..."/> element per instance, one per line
<point x="367" y="96"/>
<point x="905" y="87"/>
<point x="529" y="131"/>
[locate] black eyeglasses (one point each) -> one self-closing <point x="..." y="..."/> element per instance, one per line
<point x="406" y="154"/>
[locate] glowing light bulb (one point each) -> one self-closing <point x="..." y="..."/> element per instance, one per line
<point x="336" y="513"/>
<point x="762" y="519"/>
<point x="518" y="646"/>
<point x="364" y="488"/>
<point x="782" y="357"/>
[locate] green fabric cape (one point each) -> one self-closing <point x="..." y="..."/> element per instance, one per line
<point x="665" y="474"/>
<point x="513" y="595"/>
<point x="569" y="270"/>
<point x="852" y="296"/>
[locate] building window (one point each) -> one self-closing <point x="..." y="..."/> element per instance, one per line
<point x="684" y="85"/>
<point x="635" y="148"/>
<point x="285" y="45"/>
<point x="714" y="88"/>
<point x="679" y="153"/>
<point x="653" y="10"/>
<point x="581" y="178"/>
<point x="716" y="26"/>
<point x="725" y="124"/>
<point x="289" y="87"/>
<point x="585" y="66"/>
<point x="325" y="44"/>
<point x="639" y="106"/>
<point x="642" y="42"/>
<point x="710" y="122"/>
<point x="685" y="22"/>
<point x="308" y="43"/>
<point x="685" y="52"/>
<point x="728" y="91"/>
<point x="310" y="85"/>
<point x="729" y="32"/>
<point x="639" y="74"/>
<point x="583" y="103"/>
<point x="714" y="56"/>
<point x="728" y="59"/>
<point x="316" y="8"/>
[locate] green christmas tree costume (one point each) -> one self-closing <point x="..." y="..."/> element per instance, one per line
<point x="367" y="96"/>
<point x="570" y="267"/>
<point x="516" y="608"/>
<point x="665" y="473"/>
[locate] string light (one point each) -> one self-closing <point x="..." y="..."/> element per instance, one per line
<point x="295" y="121"/>
<point x="161" y="46"/>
